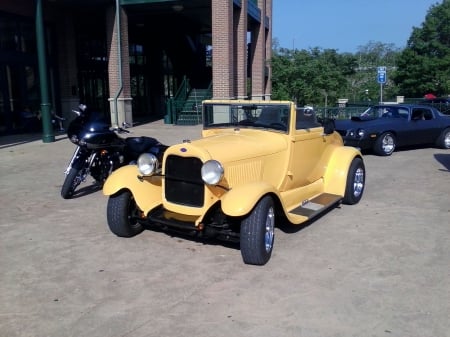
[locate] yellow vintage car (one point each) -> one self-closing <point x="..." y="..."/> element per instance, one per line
<point x="257" y="161"/>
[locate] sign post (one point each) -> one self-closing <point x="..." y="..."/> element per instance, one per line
<point x="381" y="78"/>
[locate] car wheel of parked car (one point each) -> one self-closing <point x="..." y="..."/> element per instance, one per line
<point x="444" y="139"/>
<point x="385" y="144"/>
<point x="356" y="178"/>
<point x="257" y="233"/>
<point x="122" y="215"/>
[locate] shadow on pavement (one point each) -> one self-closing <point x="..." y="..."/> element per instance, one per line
<point x="86" y="190"/>
<point x="444" y="159"/>
<point x="23" y="138"/>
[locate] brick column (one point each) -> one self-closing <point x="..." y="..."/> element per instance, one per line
<point x="124" y="108"/>
<point x="240" y="22"/>
<point x="259" y="55"/>
<point x="222" y="49"/>
<point x="268" y="89"/>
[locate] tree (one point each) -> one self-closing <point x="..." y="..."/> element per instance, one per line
<point x="424" y="65"/>
<point x="363" y="84"/>
<point x="310" y="76"/>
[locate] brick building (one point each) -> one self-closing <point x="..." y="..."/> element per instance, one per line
<point x="131" y="59"/>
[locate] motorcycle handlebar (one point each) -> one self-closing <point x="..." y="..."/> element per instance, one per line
<point x="120" y="130"/>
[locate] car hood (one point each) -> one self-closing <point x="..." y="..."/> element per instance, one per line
<point x="234" y="145"/>
<point x="356" y="123"/>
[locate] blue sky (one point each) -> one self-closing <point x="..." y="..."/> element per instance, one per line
<point x="346" y="24"/>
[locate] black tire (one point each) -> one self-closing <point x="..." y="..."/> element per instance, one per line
<point x="356" y="178"/>
<point x="122" y="214"/>
<point x="444" y="139"/>
<point x="257" y="233"/>
<point x="71" y="182"/>
<point x="385" y="144"/>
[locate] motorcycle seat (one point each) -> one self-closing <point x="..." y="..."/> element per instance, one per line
<point x="141" y="144"/>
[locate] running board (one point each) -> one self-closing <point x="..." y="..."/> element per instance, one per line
<point x="316" y="205"/>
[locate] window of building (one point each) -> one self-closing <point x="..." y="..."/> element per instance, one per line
<point x="17" y="34"/>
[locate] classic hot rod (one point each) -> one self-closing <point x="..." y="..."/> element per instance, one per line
<point x="257" y="161"/>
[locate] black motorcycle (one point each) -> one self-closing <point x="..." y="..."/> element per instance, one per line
<point x="100" y="150"/>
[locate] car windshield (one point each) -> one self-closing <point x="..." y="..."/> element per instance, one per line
<point x="267" y="116"/>
<point x="385" y="112"/>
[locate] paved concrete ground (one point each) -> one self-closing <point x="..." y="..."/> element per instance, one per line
<point x="379" y="268"/>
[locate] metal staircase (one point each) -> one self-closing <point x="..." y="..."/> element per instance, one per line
<point x="185" y="107"/>
<point x="191" y="112"/>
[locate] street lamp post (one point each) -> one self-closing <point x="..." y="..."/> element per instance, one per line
<point x="48" y="135"/>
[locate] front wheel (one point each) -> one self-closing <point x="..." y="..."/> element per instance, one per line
<point x="385" y="144"/>
<point x="444" y="139"/>
<point x="356" y="177"/>
<point x="257" y="233"/>
<point x="71" y="182"/>
<point x="122" y="215"/>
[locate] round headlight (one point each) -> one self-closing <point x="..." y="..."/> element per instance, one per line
<point x="361" y="133"/>
<point x="212" y="172"/>
<point x="147" y="164"/>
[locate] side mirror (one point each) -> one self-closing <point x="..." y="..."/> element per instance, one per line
<point x="328" y="125"/>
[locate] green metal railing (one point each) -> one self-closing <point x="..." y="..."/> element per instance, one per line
<point x="175" y="104"/>
<point x="340" y="112"/>
<point x="191" y="111"/>
<point x="185" y="106"/>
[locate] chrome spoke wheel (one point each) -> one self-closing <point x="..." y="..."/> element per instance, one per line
<point x="447" y="140"/>
<point x="388" y="144"/>
<point x="356" y="177"/>
<point x="358" y="182"/>
<point x="270" y="224"/>
<point x="257" y="235"/>
<point x="385" y="144"/>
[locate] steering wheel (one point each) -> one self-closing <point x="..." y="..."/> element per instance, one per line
<point x="246" y="122"/>
<point x="278" y="125"/>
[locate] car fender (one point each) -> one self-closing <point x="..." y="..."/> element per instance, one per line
<point x="146" y="191"/>
<point x="335" y="178"/>
<point x="241" y="199"/>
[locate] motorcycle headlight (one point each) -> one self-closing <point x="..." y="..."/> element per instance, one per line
<point x="360" y="133"/>
<point x="147" y="164"/>
<point x="212" y="172"/>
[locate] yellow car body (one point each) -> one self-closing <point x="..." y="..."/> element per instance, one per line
<point x="301" y="168"/>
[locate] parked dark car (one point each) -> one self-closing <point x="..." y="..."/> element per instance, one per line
<point x="383" y="128"/>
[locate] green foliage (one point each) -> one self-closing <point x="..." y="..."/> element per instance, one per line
<point x="321" y="76"/>
<point x="424" y="65"/>
<point x="310" y="76"/>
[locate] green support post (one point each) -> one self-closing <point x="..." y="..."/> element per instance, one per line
<point x="47" y="129"/>
<point x="168" y="115"/>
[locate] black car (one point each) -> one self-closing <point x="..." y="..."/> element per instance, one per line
<point x="383" y="128"/>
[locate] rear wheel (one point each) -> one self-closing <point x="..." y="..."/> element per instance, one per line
<point x="444" y="139"/>
<point x="385" y="144"/>
<point x="122" y="215"/>
<point x="71" y="182"/>
<point x="356" y="177"/>
<point x="257" y="233"/>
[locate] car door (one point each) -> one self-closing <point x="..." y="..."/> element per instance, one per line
<point x="422" y="128"/>
<point x="308" y="144"/>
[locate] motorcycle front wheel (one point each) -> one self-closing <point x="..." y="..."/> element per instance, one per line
<point x="71" y="182"/>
